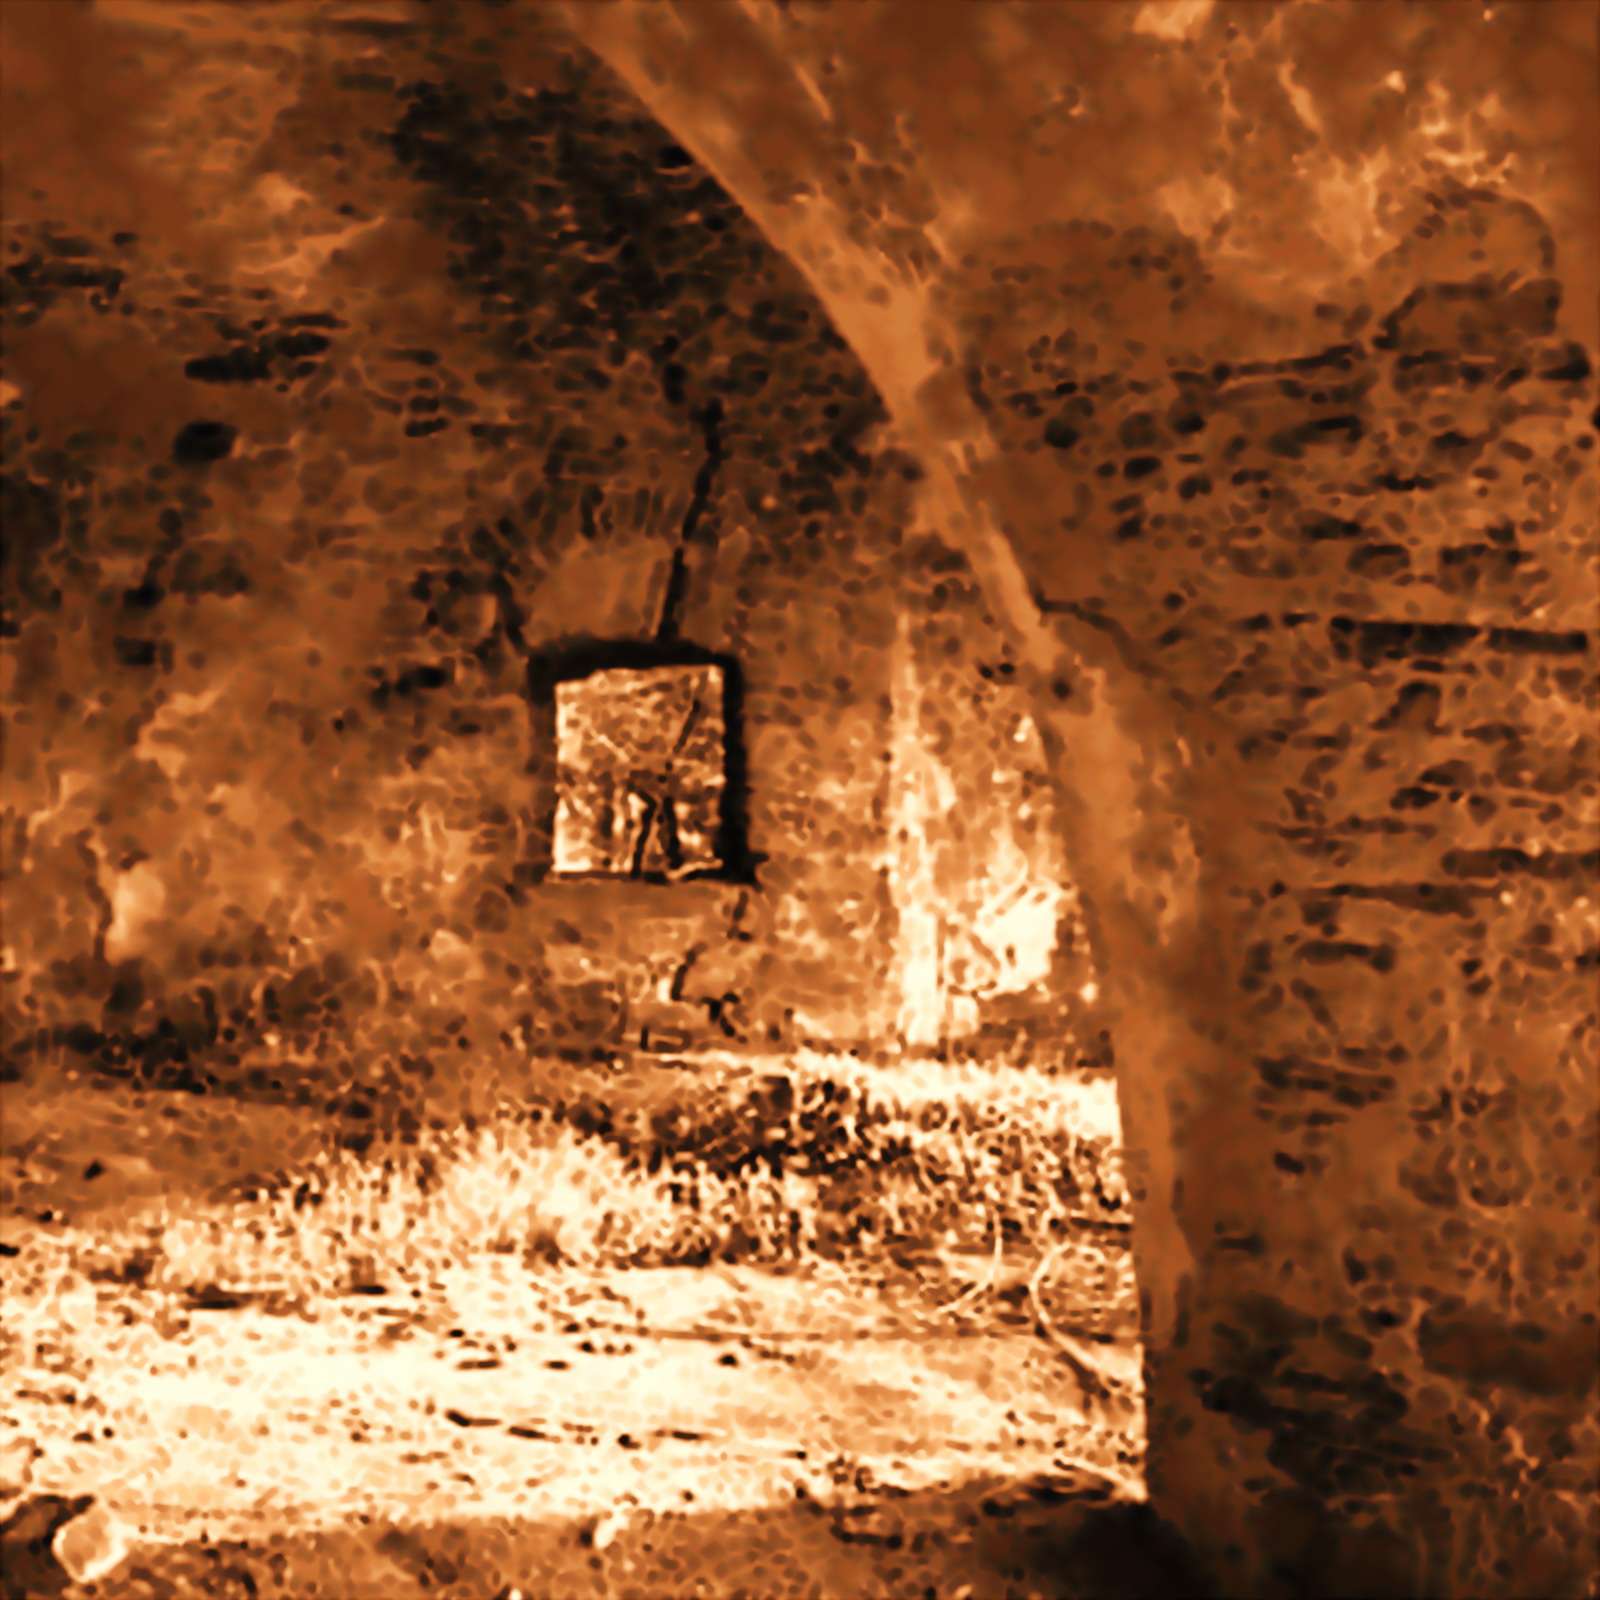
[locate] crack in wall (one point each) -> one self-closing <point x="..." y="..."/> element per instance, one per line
<point x="671" y="619"/>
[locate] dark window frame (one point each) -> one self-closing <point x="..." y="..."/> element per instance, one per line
<point x="575" y="659"/>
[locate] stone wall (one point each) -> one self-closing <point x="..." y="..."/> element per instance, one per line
<point x="443" y="385"/>
<point x="1383" y="1140"/>
<point x="463" y="350"/>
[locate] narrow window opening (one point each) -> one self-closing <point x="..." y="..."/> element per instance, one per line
<point x="647" y="775"/>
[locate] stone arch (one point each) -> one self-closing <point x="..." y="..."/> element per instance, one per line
<point x="1329" y="1397"/>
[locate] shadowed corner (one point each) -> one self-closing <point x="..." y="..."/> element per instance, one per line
<point x="1130" y="1551"/>
<point x="1064" y="1539"/>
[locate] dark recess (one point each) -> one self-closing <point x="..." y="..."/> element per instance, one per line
<point x="198" y="443"/>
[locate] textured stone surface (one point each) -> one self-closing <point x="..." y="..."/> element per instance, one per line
<point x="51" y="1542"/>
<point x="1243" y="355"/>
<point x="481" y="379"/>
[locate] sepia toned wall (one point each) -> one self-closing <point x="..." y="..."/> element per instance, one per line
<point x="1235" y="361"/>
<point x="298" y="496"/>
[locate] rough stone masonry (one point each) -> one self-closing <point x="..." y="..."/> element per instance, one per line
<point x="1240" y="356"/>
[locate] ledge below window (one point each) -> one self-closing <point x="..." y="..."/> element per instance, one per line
<point x="654" y="897"/>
